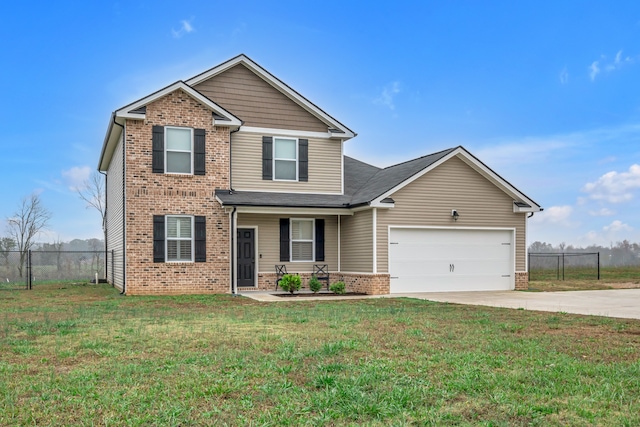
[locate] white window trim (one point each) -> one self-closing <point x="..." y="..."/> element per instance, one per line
<point x="313" y="239"/>
<point x="167" y="238"/>
<point x="287" y="160"/>
<point x="177" y="151"/>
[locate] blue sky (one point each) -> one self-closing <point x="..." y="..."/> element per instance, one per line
<point x="546" y="93"/>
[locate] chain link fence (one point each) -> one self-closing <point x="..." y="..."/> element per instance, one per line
<point x="29" y="269"/>
<point x="566" y="265"/>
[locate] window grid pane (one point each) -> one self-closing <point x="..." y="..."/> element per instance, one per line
<point x="179" y="139"/>
<point x="285" y="149"/>
<point x="285" y="169"/>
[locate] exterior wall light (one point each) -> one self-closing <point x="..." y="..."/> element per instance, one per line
<point x="455" y="214"/>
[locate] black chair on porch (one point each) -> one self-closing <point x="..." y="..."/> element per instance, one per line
<point x="281" y="270"/>
<point x="321" y="272"/>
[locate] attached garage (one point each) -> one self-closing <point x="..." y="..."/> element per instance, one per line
<point x="451" y="259"/>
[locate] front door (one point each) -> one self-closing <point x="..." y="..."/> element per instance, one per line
<point x="246" y="257"/>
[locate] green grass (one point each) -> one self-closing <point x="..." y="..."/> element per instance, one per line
<point x="84" y="355"/>
<point x="585" y="279"/>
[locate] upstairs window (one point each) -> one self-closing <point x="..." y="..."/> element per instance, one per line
<point x="285" y="159"/>
<point x="178" y="150"/>
<point x="179" y="238"/>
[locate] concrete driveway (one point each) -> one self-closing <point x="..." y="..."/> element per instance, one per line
<point x="623" y="303"/>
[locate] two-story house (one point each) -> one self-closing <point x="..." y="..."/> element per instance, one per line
<point x="215" y="180"/>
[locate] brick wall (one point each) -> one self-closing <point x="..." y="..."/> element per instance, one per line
<point x="522" y="280"/>
<point x="150" y="194"/>
<point x="371" y="284"/>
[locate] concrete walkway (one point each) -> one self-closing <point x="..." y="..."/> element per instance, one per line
<point x="623" y="303"/>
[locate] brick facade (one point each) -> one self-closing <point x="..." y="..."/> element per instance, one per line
<point x="370" y="284"/>
<point x="522" y="280"/>
<point x="150" y="194"/>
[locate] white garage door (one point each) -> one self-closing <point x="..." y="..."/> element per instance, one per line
<point x="440" y="260"/>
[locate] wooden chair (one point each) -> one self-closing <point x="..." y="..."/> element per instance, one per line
<point x="281" y="270"/>
<point x="321" y="272"/>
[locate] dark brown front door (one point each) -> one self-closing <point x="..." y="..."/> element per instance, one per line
<point x="246" y="257"/>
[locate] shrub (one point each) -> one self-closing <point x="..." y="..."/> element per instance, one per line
<point x="337" y="288"/>
<point x="290" y="283"/>
<point x="314" y="284"/>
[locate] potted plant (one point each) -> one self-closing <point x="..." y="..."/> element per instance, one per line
<point x="290" y="283"/>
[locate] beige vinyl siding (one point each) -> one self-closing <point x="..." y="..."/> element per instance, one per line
<point x="325" y="166"/>
<point x="115" y="218"/>
<point x="428" y="201"/>
<point x="256" y="102"/>
<point x="268" y="249"/>
<point x="356" y="237"/>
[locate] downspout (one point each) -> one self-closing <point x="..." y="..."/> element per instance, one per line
<point x="124" y="203"/>
<point x="234" y="254"/>
<point x="104" y="226"/>
<point x="231" y="159"/>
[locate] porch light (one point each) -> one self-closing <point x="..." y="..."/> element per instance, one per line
<point x="455" y="214"/>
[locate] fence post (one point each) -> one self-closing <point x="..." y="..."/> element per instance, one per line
<point x="562" y="265"/>
<point x="598" y="265"/>
<point x="29" y="271"/>
<point x="529" y="263"/>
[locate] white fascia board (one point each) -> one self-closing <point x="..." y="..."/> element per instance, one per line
<point x="382" y="205"/>
<point x="110" y="143"/>
<point x="474" y="163"/>
<point x="286" y="132"/>
<point x="125" y="112"/>
<point x="279" y="85"/>
<point x="517" y="209"/>
<point x="293" y="211"/>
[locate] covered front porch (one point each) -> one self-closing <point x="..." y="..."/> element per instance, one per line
<point x="296" y="240"/>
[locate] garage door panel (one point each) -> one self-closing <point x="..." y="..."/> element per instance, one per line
<point x="432" y="260"/>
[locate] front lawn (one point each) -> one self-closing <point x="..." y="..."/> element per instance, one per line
<point x="83" y="355"/>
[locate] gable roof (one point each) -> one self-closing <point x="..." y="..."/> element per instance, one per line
<point x="137" y="111"/>
<point x="335" y="127"/>
<point x="365" y="184"/>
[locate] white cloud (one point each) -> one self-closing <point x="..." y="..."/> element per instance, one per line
<point x="76" y="177"/>
<point x="602" y="212"/>
<point x="555" y="215"/>
<point x="185" y="28"/>
<point x="615" y="187"/>
<point x="594" y="70"/>
<point x="564" y="76"/>
<point x="388" y="93"/>
<point x="616" y="226"/>
<point x="617" y="63"/>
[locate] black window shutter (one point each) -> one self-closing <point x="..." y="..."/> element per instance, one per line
<point x="267" y="157"/>
<point x="201" y="238"/>
<point x="158" y="149"/>
<point x="284" y="239"/>
<point x="158" y="238"/>
<point x="303" y="161"/>
<point x="199" y="162"/>
<point x="319" y="239"/>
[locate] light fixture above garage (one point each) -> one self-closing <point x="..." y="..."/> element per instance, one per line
<point x="455" y="214"/>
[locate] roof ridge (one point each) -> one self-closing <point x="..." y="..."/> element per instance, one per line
<point x="422" y="157"/>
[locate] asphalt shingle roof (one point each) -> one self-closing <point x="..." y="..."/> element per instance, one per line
<point x="362" y="184"/>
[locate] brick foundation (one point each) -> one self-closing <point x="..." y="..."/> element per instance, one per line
<point x="522" y="280"/>
<point x="366" y="283"/>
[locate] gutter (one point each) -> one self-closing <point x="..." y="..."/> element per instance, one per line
<point x="104" y="228"/>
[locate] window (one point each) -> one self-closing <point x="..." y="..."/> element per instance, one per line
<point x="179" y="146"/>
<point x="285" y="159"/>
<point x="179" y="238"/>
<point x="302" y="236"/>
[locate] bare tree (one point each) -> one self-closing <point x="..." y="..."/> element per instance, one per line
<point x="26" y="223"/>
<point x="93" y="193"/>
